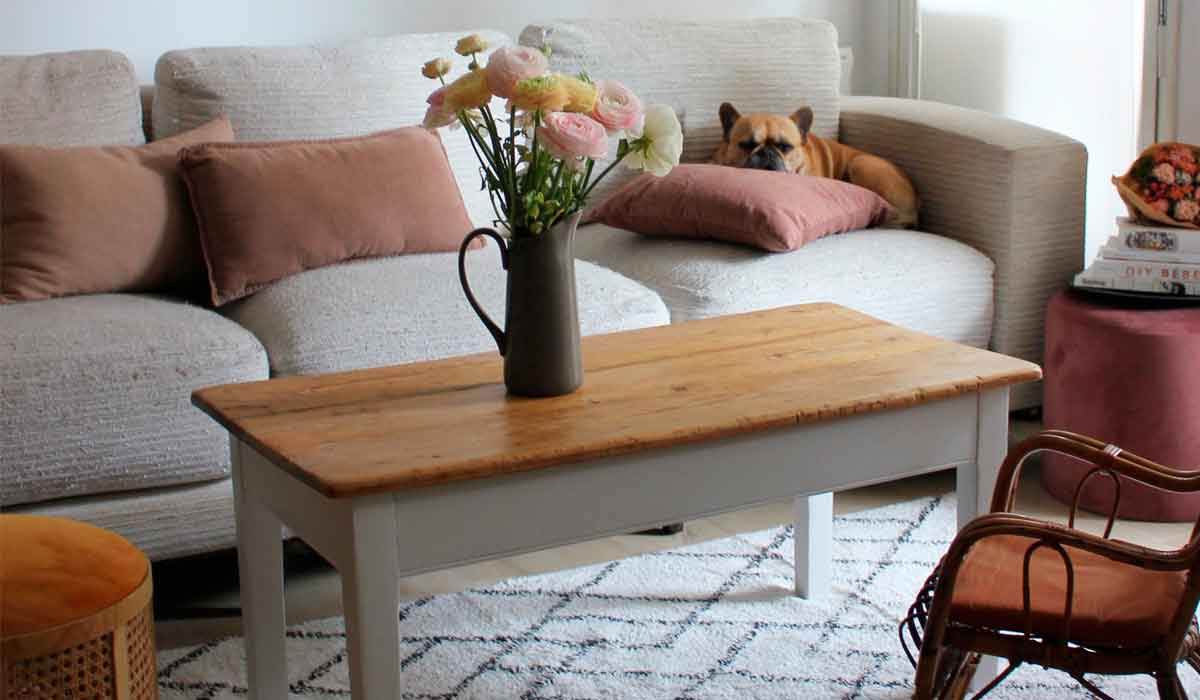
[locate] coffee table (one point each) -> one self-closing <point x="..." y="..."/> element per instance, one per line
<point x="395" y="471"/>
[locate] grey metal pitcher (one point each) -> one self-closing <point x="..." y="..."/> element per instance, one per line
<point x="540" y="339"/>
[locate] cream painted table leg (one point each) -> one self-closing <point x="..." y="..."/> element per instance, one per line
<point x="371" y="599"/>
<point x="260" y="571"/>
<point x="813" y="540"/>
<point x="977" y="481"/>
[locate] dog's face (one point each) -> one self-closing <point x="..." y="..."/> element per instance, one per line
<point x="764" y="141"/>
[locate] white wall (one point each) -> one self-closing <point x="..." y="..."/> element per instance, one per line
<point x="143" y="29"/>
<point x="1189" y="63"/>
<point x="1067" y="65"/>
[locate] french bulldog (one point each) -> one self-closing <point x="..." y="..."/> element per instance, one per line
<point x="784" y="144"/>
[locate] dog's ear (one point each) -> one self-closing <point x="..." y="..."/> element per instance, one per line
<point x="729" y="117"/>
<point x="804" y="119"/>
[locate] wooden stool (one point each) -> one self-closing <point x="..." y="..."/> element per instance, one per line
<point x="75" y="613"/>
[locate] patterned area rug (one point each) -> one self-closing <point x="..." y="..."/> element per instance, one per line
<point x="715" y="620"/>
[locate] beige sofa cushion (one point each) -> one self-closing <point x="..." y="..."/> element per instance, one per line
<point x="411" y="308"/>
<point x="775" y="65"/>
<point x="310" y="92"/>
<point x="80" y="98"/>
<point x="917" y="280"/>
<point x="95" y="394"/>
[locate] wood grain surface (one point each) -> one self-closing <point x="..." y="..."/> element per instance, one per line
<point x="408" y="426"/>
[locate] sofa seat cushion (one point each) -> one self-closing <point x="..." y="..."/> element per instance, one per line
<point x="95" y="394"/>
<point x="388" y="311"/>
<point x="917" y="280"/>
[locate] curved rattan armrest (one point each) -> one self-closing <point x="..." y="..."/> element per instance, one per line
<point x="996" y="524"/>
<point x="1106" y="457"/>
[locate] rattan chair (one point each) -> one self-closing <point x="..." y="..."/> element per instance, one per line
<point x="1032" y="591"/>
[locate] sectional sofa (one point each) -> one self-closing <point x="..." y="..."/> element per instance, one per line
<point x="95" y="418"/>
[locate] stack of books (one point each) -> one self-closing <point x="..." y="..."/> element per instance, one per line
<point x="1147" y="258"/>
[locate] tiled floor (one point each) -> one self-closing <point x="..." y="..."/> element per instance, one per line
<point x="197" y="598"/>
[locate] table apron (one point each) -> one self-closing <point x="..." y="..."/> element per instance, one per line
<point x="457" y="523"/>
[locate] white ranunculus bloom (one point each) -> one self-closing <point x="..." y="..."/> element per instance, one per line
<point x="660" y="144"/>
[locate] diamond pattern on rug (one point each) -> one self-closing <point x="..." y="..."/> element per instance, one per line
<point x="711" y="621"/>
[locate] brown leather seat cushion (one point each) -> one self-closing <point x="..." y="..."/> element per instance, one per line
<point x="54" y="571"/>
<point x="1116" y="605"/>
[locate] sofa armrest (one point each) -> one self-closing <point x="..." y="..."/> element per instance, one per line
<point x="1013" y="191"/>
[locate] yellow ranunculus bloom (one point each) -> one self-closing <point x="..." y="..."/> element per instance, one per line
<point x="470" y="44"/>
<point x="436" y="68"/>
<point x="546" y="93"/>
<point x="582" y="94"/>
<point x="468" y="92"/>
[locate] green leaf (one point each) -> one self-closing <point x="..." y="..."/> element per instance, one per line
<point x="1143" y="167"/>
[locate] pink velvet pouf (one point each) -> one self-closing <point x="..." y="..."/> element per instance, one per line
<point x="1129" y="376"/>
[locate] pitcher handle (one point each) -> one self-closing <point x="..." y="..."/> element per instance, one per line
<point x="499" y="335"/>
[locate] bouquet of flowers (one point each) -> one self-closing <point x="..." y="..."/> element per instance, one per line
<point x="538" y="157"/>
<point x="1161" y="186"/>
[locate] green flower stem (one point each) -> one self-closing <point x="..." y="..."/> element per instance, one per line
<point x="606" y="171"/>
<point x="587" y="175"/>
<point x="488" y="165"/>
<point x="485" y="154"/>
<point x="533" y="164"/>
<point x="507" y="167"/>
<point x="481" y="149"/>
<point x="512" y="158"/>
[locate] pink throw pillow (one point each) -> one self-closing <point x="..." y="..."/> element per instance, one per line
<point x="269" y="210"/>
<point x="770" y="210"/>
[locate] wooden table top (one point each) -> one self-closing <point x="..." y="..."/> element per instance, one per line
<point x="414" y="425"/>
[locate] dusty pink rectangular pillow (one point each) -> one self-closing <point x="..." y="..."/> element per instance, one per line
<point x="89" y="220"/>
<point x="770" y="210"/>
<point x="273" y="209"/>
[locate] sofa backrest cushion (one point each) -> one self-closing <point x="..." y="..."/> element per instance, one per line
<point x="316" y="92"/>
<point x="771" y="65"/>
<point x="78" y="98"/>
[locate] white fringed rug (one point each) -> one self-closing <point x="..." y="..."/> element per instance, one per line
<point x="715" y="620"/>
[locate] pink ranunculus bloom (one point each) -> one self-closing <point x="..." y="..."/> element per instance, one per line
<point x="1181" y="154"/>
<point x="570" y="135"/>
<point x="437" y="98"/>
<point x="436" y="118"/>
<point x="437" y="115"/>
<point x="617" y="108"/>
<point x="1187" y="210"/>
<point x="510" y="65"/>
<point x="1165" y="172"/>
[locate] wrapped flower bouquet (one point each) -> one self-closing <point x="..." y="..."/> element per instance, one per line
<point x="1161" y="186"/>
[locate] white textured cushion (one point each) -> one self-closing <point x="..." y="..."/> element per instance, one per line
<point x="775" y="65"/>
<point x="95" y="394"/>
<point x="917" y="280"/>
<point x="280" y="93"/>
<point x="78" y="98"/>
<point x="174" y="521"/>
<point x="410" y="308"/>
